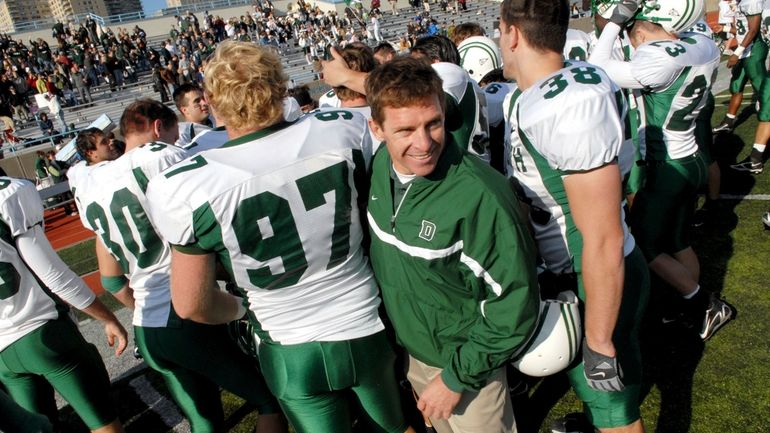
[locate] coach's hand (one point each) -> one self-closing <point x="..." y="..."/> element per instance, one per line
<point x="603" y="373"/>
<point x="624" y="11"/>
<point x="114" y="330"/>
<point x="437" y="401"/>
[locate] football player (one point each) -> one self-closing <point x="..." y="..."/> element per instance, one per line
<point x="747" y="61"/>
<point x="567" y="133"/>
<point x="278" y="207"/>
<point x="190" y="102"/>
<point x="134" y="262"/>
<point x="676" y="73"/>
<point x="755" y="163"/>
<point x="41" y="348"/>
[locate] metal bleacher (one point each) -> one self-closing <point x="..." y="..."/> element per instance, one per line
<point x="112" y="103"/>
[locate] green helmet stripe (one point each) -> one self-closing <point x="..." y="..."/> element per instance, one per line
<point x="466" y="47"/>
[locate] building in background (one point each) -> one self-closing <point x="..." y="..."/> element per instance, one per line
<point x="15" y="12"/>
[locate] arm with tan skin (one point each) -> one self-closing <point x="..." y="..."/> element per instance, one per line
<point x="194" y="290"/>
<point x="337" y="73"/>
<point x="594" y="202"/>
<point x="109" y="267"/>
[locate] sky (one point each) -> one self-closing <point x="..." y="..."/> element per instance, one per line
<point x="153" y="5"/>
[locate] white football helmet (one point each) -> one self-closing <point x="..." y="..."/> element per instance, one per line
<point x="673" y="15"/>
<point x="557" y="337"/>
<point x="766" y="220"/>
<point x="479" y="55"/>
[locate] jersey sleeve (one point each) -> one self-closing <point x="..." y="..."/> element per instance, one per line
<point x="170" y="214"/>
<point x="579" y="137"/>
<point x="751" y="7"/>
<point x="653" y="68"/>
<point x="22" y="209"/>
<point x="43" y="261"/>
<point x="454" y="79"/>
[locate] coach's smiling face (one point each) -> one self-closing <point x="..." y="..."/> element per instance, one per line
<point x="414" y="136"/>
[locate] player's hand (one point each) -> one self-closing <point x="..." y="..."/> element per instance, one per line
<point x="114" y="330"/>
<point x="732" y="61"/>
<point x="624" y="11"/>
<point x="437" y="401"/>
<point x="603" y="373"/>
<point x="335" y="70"/>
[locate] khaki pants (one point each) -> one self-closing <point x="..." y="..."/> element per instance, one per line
<point x="487" y="411"/>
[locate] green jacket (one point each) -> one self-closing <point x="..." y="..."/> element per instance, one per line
<point x="456" y="266"/>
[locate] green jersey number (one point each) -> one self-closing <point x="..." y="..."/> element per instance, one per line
<point x="577" y="53"/>
<point x="695" y="90"/>
<point x="740" y="27"/>
<point x="328" y="116"/>
<point x="493" y="88"/>
<point x="581" y="74"/>
<point x="672" y="49"/>
<point x="275" y="235"/>
<point x="10" y="280"/>
<point x="136" y="232"/>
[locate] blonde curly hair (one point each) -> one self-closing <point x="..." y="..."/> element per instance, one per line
<point x="245" y="85"/>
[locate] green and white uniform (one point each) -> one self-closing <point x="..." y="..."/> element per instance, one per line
<point x="466" y="111"/>
<point x="37" y="338"/>
<point x="112" y="193"/>
<point x="631" y="156"/>
<point x="286" y="227"/>
<point x="210" y="139"/>
<point x="329" y="100"/>
<point x="577" y="46"/>
<point x="568" y="123"/>
<point x="751" y="65"/>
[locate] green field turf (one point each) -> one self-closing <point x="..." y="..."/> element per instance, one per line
<point x="721" y="386"/>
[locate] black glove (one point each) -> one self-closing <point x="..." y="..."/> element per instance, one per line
<point x="603" y="373"/>
<point x="625" y="11"/>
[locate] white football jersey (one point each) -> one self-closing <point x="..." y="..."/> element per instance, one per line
<point x="700" y="27"/>
<point x="495" y="94"/>
<point x="622" y="50"/>
<point x="24" y="306"/>
<point x="677" y="76"/>
<point x="329" y="100"/>
<point x="570" y="121"/>
<point x="113" y="197"/>
<point x="764" y="27"/>
<point x="188" y="131"/>
<point x="279" y="209"/>
<point x="746" y="8"/>
<point x="211" y="139"/>
<point x="471" y="130"/>
<point x="366" y="111"/>
<point x="577" y="45"/>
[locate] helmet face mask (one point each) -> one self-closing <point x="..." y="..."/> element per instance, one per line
<point x="604" y="8"/>
<point x="673" y="15"/>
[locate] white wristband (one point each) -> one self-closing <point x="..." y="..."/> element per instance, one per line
<point x="738" y="51"/>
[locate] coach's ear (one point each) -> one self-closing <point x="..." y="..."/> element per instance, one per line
<point x="376" y="130"/>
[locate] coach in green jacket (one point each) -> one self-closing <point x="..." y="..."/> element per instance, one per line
<point x="451" y="253"/>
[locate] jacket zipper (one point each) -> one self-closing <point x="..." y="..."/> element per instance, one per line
<point x="398" y="208"/>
